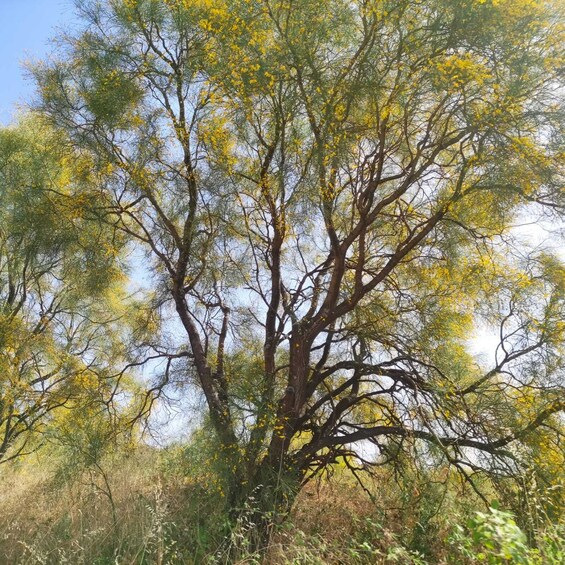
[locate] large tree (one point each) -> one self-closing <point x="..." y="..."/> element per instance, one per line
<point x="328" y="196"/>
<point x="58" y="274"/>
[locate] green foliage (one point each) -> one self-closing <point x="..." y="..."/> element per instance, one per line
<point x="325" y="202"/>
<point x="493" y="538"/>
<point x="60" y="286"/>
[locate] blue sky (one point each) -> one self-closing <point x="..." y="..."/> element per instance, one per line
<point x="26" y="26"/>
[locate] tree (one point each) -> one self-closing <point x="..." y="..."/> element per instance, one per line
<point x="58" y="273"/>
<point x="327" y="197"/>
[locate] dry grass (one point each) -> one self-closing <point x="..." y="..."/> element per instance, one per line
<point x="52" y="517"/>
<point x="126" y="513"/>
<point x="140" y="509"/>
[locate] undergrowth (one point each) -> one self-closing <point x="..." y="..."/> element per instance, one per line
<point x="147" y="507"/>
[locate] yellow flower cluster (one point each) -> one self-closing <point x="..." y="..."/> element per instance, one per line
<point x="460" y="70"/>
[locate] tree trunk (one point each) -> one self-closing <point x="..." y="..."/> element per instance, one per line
<point x="261" y="504"/>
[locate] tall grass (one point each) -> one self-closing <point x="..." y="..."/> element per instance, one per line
<point x="146" y="506"/>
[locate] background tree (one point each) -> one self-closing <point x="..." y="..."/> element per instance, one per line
<point x="327" y="197"/>
<point x="59" y="273"/>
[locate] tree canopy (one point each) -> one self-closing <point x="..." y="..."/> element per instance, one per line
<point x="58" y="274"/>
<point x="327" y="198"/>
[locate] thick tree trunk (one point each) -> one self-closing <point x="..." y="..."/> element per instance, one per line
<point x="262" y="503"/>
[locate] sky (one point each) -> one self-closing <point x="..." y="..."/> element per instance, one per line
<point x="26" y="26"/>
